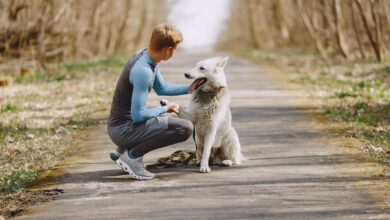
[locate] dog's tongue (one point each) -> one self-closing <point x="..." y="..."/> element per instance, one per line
<point x="195" y="84"/>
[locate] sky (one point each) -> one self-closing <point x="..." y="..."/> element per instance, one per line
<point x="200" y="21"/>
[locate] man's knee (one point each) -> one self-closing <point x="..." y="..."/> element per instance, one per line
<point x="184" y="129"/>
<point x="188" y="129"/>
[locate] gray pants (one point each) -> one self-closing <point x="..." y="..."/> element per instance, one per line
<point x="152" y="134"/>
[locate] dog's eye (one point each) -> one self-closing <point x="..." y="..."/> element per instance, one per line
<point x="202" y="68"/>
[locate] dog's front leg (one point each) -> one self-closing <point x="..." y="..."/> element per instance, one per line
<point x="184" y="114"/>
<point x="208" y="144"/>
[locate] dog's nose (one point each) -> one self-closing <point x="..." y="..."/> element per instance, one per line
<point x="187" y="75"/>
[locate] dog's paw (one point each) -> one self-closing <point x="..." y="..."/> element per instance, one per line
<point x="204" y="168"/>
<point x="227" y="163"/>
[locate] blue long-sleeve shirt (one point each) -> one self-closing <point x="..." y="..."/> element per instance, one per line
<point x="141" y="77"/>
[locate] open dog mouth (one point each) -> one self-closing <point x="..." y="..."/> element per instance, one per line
<point x="196" y="84"/>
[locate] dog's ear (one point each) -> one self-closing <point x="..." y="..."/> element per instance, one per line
<point x="222" y="62"/>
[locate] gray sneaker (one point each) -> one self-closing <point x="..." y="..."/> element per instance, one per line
<point x="116" y="153"/>
<point x="135" y="167"/>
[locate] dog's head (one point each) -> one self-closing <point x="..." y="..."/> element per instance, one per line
<point x="208" y="74"/>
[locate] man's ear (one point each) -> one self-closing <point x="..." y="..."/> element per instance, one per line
<point x="166" y="52"/>
<point x="222" y="62"/>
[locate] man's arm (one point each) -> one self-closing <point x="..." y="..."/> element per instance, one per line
<point x="163" y="88"/>
<point x="140" y="79"/>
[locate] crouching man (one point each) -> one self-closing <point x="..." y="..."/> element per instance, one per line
<point x="134" y="128"/>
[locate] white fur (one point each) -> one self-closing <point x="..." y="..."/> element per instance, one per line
<point x="214" y="134"/>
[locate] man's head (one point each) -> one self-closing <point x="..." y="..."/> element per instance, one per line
<point x="164" y="40"/>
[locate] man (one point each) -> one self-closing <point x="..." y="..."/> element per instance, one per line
<point x="133" y="127"/>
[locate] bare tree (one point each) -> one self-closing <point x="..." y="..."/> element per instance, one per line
<point x="309" y="26"/>
<point x="322" y="24"/>
<point x="378" y="33"/>
<point x="356" y="32"/>
<point x="368" y="31"/>
<point x="340" y="24"/>
<point x="45" y="30"/>
<point x="254" y="23"/>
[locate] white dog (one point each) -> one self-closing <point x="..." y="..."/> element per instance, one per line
<point x="215" y="138"/>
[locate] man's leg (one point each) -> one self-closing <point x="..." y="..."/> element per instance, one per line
<point x="178" y="130"/>
<point x="157" y="133"/>
<point x="115" y="135"/>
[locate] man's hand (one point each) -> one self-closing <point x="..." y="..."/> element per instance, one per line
<point x="172" y="107"/>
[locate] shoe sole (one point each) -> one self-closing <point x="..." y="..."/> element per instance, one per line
<point x="127" y="169"/>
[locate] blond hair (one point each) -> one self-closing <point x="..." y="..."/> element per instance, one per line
<point x="165" y="35"/>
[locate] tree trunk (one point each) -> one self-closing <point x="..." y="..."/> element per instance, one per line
<point x="309" y="26"/>
<point x="122" y="28"/>
<point x="355" y="30"/>
<point x="253" y="23"/>
<point x="339" y="26"/>
<point x="378" y="32"/>
<point x="141" y="26"/>
<point x="368" y="32"/>
<point x="281" y="21"/>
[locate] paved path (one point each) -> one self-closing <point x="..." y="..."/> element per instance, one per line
<point x="296" y="170"/>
